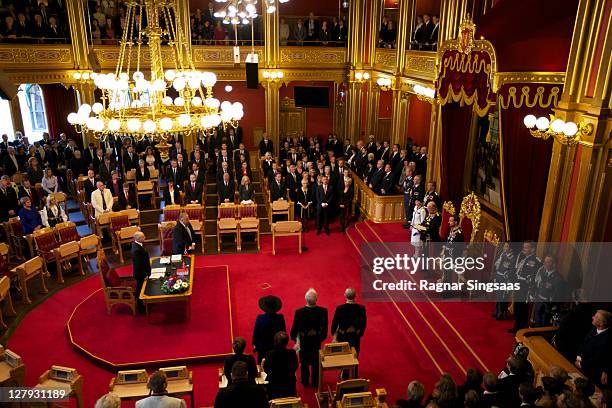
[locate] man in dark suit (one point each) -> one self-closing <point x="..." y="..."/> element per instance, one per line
<point x="349" y="322"/>
<point x="141" y="265"/>
<point x="176" y="150"/>
<point x="376" y="179"/>
<point x="241" y="393"/>
<point x="278" y="191"/>
<point x="171" y="195"/>
<point x="265" y="145"/>
<point x="193" y="193"/>
<point x="175" y="175"/>
<point x="26" y="190"/>
<point x="310" y="327"/>
<point x="105" y="169"/>
<point x="89" y="185"/>
<point x="226" y="190"/>
<point x="509" y="384"/>
<point x="10" y="163"/>
<point x="183" y="236"/>
<point x="325" y="196"/>
<point x="594" y="357"/>
<point x="239" y="345"/>
<point x="130" y="159"/>
<point x="126" y="198"/>
<point x="491" y="396"/>
<point x="386" y="187"/>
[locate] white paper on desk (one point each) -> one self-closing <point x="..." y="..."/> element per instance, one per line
<point x="177" y="258"/>
<point x="164" y="260"/>
<point x="158" y="273"/>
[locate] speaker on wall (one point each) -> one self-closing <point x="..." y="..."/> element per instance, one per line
<point x="252" y="75"/>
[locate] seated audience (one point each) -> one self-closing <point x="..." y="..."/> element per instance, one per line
<point x="157" y="386"/>
<point x="416" y="391"/>
<point x="280" y="365"/>
<point x="29" y="216"/>
<point x="49" y="182"/>
<point x="242" y="392"/>
<point x="246" y="192"/>
<point x="239" y="345"/>
<point x="26" y="190"/>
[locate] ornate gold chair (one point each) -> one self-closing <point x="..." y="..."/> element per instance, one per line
<point x="469" y="216"/>
<point x="29" y="270"/>
<point x="249" y="222"/>
<point x="196" y="218"/>
<point x="115" y="291"/>
<point x="63" y="256"/>
<point x="227" y="223"/>
<point x="165" y="231"/>
<point x="5" y="296"/>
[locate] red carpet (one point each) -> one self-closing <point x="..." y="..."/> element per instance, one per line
<point x="420" y="340"/>
<point x="168" y="335"/>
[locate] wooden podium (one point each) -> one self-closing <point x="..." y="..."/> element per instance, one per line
<point x="63" y="378"/>
<point x="12" y="369"/>
<point x="337" y="356"/>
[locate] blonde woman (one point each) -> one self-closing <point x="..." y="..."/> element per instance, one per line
<point x="53" y="213"/>
<point x="246" y="192"/>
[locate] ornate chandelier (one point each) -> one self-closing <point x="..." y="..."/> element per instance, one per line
<point x="243" y="11"/>
<point x="175" y="100"/>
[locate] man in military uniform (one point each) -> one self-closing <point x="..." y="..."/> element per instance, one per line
<point x="504" y="270"/>
<point x="450" y="249"/>
<point x="309" y="330"/>
<point x="349" y="323"/>
<point x="548" y="286"/>
<point x="527" y="265"/>
<point x="416" y="191"/>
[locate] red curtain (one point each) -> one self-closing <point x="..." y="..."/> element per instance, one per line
<point x="526" y="161"/>
<point x="59" y="102"/>
<point x="456" y="122"/>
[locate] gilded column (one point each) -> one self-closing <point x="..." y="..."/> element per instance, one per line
<point x="372" y="108"/>
<point x="452" y="12"/>
<point x="375" y="18"/>
<point x="272" y="101"/>
<point x="271" y="34"/>
<point x="435" y="144"/>
<point x="77" y="20"/>
<point x="354" y="97"/>
<point x="586" y="100"/>
<point x="184" y="16"/>
<point x="404" y="24"/>
<point x="356" y="33"/>
<point x="339" y="111"/>
<point x="399" y="116"/>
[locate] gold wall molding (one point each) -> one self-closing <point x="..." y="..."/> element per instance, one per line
<point x="41" y="77"/>
<point x="27" y="57"/>
<point x="335" y="75"/>
<point x="504" y="78"/>
<point x="312" y="56"/>
<point x="207" y="55"/>
<point x="530" y="98"/>
<point x="379" y="209"/>
<point x="385" y="59"/>
<point x="421" y="65"/>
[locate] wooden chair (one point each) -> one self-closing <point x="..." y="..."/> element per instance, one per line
<point x="227" y="223"/>
<point x="87" y="246"/>
<point x="125" y="236"/>
<point x="5" y="296"/>
<point x="172" y="212"/>
<point x="4" y="259"/>
<point x="448" y="210"/>
<point x="28" y="271"/>
<point x="347" y="387"/>
<point x="45" y="242"/>
<point x="286" y="229"/>
<point x="67" y="231"/>
<point x="133" y="215"/>
<point x="287" y="402"/>
<point x="248" y="222"/>
<point x="165" y="231"/>
<point x="145" y="188"/>
<point x="280" y="207"/>
<point x="102" y="221"/>
<point x="154" y="177"/>
<point x="196" y="218"/>
<point x="117" y="222"/>
<point x="17" y="240"/>
<point x="115" y="291"/>
<point x="469" y="216"/>
<point x="63" y="256"/>
<point x="130" y="177"/>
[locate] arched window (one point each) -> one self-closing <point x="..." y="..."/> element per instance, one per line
<point x="32" y="105"/>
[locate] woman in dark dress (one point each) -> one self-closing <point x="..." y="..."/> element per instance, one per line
<point x="346" y="200"/>
<point x="304" y="204"/>
<point x="267" y="325"/>
<point x="142" y="172"/>
<point x="280" y="366"/>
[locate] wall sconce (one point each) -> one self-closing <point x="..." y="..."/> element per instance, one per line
<point x="84" y="76"/>
<point x="567" y="133"/>
<point x="384" y="83"/>
<point x="273" y="75"/>
<point x="424" y="93"/>
<point x="362" y="76"/>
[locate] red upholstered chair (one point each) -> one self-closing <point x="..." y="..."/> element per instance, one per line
<point x="67" y="231"/>
<point x="172" y="212"/>
<point x="227" y="210"/>
<point x="45" y="242"/>
<point x="247" y="211"/>
<point x="469" y="216"/>
<point x="116" y="223"/>
<point x="165" y="232"/>
<point x="249" y="222"/>
<point x="196" y="216"/>
<point x="115" y="290"/>
<point x="448" y="210"/>
<point x="4" y="259"/>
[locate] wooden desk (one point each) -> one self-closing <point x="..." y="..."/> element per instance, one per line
<point x="178" y="386"/>
<point x="151" y="289"/>
<point x="63" y="378"/>
<point x="12" y="369"/>
<point x="344" y="360"/>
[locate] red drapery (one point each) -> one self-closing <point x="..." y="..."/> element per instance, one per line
<point x="526" y="159"/>
<point x="59" y="102"/>
<point x="466" y="78"/>
<point x="456" y="121"/>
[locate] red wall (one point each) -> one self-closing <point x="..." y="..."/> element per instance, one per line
<point x="385" y="104"/>
<point x="419" y="120"/>
<point x="430" y="7"/>
<point x="319" y="121"/>
<point x="253" y="101"/>
<point x="391" y="4"/>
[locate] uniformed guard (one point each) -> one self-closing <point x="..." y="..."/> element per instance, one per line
<point x="527" y="265"/>
<point x="548" y="286"/>
<point x="451" y="249"/>
<point x="504" y="273"/>
<point x="349" y="323"/>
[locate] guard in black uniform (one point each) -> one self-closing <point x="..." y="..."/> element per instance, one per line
<point x="455" y="235"/>
<point x="527" y="265"/>
<point x="349" y="323"/>
<point x="309" y="330"/>
<point x="547" y="287"/>
<point x="504" y="270"/>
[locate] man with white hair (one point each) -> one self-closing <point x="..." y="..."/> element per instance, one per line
<point x="349" y="322"/>
<point x="309" y="330"/>
<point x="594" y="355"/>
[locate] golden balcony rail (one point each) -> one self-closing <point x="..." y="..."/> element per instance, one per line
<point x="420" y="65"/>
<point x="24" y="57"/>
<point x="378" y="208"/>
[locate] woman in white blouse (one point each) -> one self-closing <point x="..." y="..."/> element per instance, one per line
<point x="53" y="213"/>
<point x="49" y="182"/>
<point x="418" y="217"/>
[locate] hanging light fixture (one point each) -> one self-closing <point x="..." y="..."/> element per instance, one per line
<point x="567" y="133"/>
<point x="237" y="12"/>
<point x="170" y="100"/>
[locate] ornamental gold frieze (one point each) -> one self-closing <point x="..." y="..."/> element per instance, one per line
<point x="36" y="56"/>
<point x="421" y="64"/>
<point x="385" y="59"/>
<point x="335" y="75"/>
<point x="312" y="56"/>
<point x="215" y="55"/>
<point x="41" y="77"/>
<point x="530" y="77"/>
<point x="109" y="55"/>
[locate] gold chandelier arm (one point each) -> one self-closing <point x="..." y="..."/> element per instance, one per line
<point x="139" y="37"/>
<point x="178" y="53"/>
